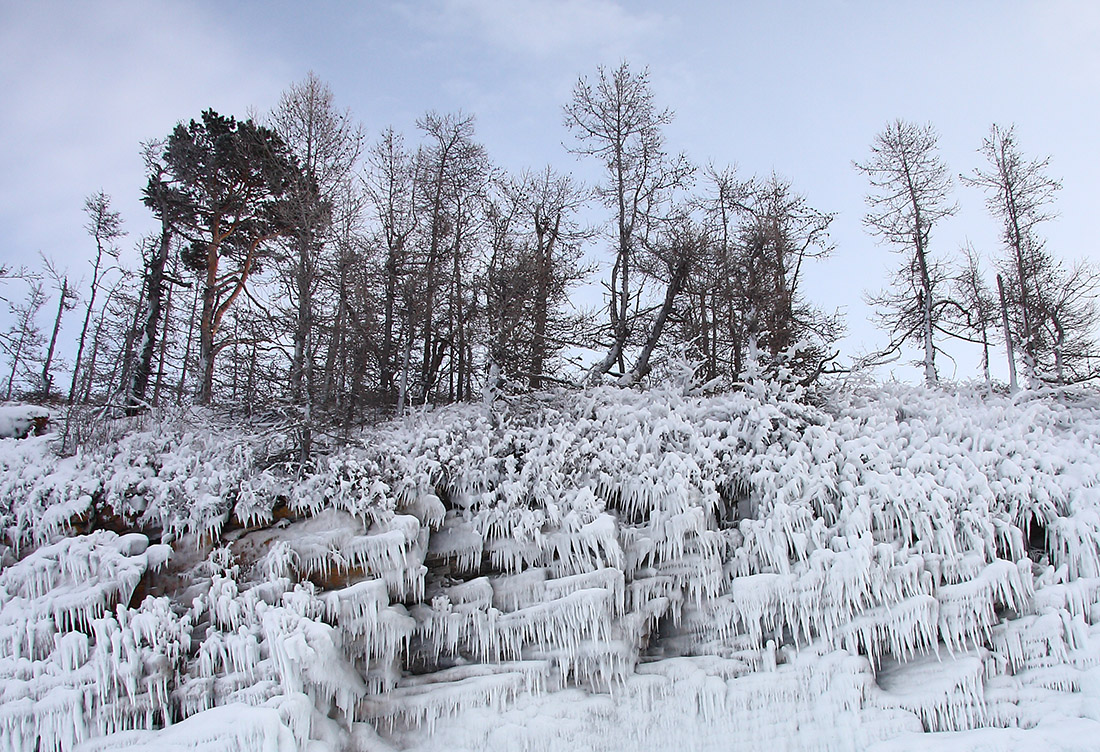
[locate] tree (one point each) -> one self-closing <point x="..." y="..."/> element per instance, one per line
<point x="452" y="171"/>
<point x="391" y="188"/>
<point x="712" y="326"/>
<point x="1007" y="330"/>
<point x="977" y="309"/>
<point x="1068" y="298"/>
<point x="1048" y="306"/>
<point x="154" y="307"/>
<point x="910" y="190"/>
<point x="226" y="181"/>
<point x="674" y="254"/>
<point x="23" y="340"/>
<point x="744" y="293"/>
<point x="105" y="227"/>
<point x="170" y="205"/>
<point x="535" y="260"/>
<point x="66" y="301"/>
<point x="614" y="119"/>
<point x="327" y="144"/>
<point x="779" y="233"/>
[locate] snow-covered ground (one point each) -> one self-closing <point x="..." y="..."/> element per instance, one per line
<point x="896" y="568"/>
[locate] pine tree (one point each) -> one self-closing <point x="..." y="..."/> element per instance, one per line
<point x="224" y="185"/>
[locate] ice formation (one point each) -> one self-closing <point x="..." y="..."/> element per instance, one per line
<point x="20" y="421"/>
<point x="610" y="569"/>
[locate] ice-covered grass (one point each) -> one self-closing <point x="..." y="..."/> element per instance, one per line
<point x="609" y="569"/>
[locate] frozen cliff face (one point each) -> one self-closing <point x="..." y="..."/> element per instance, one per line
<point x="606" y="570"/>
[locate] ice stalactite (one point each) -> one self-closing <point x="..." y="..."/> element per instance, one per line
<point x="967" y="609"/>
<point x="458" y="542"/>
<point x="68" y="657"/>
<point x="946" y="694"/>
<point x="421" y="704"/>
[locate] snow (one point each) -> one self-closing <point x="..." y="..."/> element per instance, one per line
<point x="230" y="728"/>
<point x="890" y="568"/>
<point x="19" y="421"/>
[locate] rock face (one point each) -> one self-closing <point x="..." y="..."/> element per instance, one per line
<point x="598" y="570"/>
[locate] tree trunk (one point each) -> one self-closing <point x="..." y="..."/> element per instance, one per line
<point x="458" y="334"/>
<point x="187" y="348"/>
<point x="125" y="364"/>
<point x="543" y="270"/>
<point x="163" y="346"/>
<point x="206" y="328"/>
<point x="615" y="354"/>
<point x="87" y="320"/>
<point x="89" y="377"/>
<point x="1016" y="240"/>
<point x="985" y="358"/>
<point x="47" y="380"/>
<point x="301" y="371"/>
<point x="1008" y="336"/>
<point x="403" y="383"/>
<point x="139" y="379"/>
<point x="930" y="376"/>
<point x="641" y="366"/>
<point x="387" y="365"/>
<point x="337" y="341"/>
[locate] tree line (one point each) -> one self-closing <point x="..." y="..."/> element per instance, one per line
<point x="1043" y="309"/>
<point x="303" y="269"/>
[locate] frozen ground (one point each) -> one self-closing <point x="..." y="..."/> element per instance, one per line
<point x="895" y="569"/>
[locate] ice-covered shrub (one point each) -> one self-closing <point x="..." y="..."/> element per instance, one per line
<point x="745" y="566"/>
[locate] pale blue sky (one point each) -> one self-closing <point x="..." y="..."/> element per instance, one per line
<point x="797" y="87"/>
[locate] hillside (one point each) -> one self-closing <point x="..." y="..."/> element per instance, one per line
<point x="895" y="568"/>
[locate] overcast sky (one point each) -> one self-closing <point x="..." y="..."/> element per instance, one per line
<point x="800" y="88"/>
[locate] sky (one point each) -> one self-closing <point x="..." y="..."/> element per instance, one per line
<point x="798" y="88"/>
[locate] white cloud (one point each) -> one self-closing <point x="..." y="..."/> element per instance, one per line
<point x="548" y="27"/>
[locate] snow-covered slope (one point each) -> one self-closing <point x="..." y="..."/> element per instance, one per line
<point x="897" y="569"/>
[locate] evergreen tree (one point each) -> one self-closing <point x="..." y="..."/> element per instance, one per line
<point x="224" y="186"/>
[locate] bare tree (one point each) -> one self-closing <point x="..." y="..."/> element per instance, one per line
<point x="66" y="301"/>
<point x="453" y="171"/>
<point x="910" y="193"/>
<point x="615" y="120"/>
<point x="23" y="341"/>
<point x="744" y="292"/>
<point x="977" y="309"/>
<point x="390" y="186"/>
<point x="1070" y="318"/>
<point x="327" y="143"/>
<point x="535" y="260"/>
<point x="780" y="233"/>
<point x="712" y="325"/>
<point x="105" y="227"/>
<point x="675" y="253"/>
<point x="1049" y="307"/>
